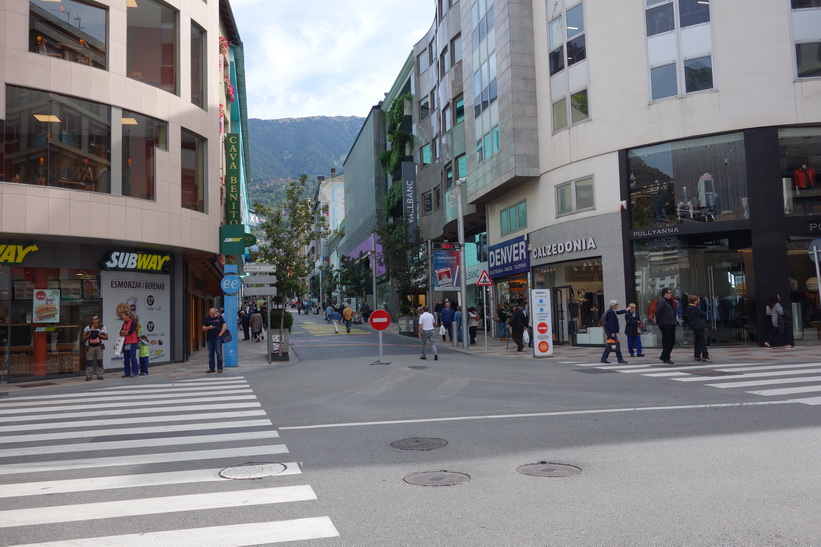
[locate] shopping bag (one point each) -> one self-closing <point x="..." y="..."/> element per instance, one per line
<point x="613" y="344"/>
<point x="442" y="330"/>
<point x="526" y="337"/>
<point x="118" y="345"/>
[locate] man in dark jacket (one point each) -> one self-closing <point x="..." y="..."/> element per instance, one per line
<point x="666" y="320"/>
<point x="518" y="322"/>
<point x="446" y="317"/>
<point x="611" y="331"/>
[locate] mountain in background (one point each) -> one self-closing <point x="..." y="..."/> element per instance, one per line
<point x="287" y="148"/>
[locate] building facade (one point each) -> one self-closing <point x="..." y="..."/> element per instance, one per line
<point x="112" y="173"/>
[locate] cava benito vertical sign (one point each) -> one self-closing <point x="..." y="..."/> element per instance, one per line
<point x="232" y="212"/>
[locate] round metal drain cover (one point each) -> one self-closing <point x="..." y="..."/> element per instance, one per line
<point x="419" y="443"/>
<point x="252" y="471"/>
<point x="437" y="478"/>
<point x="548" y="469"/>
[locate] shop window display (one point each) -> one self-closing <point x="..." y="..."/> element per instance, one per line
<point x="804" y="301"/>
<point x="800" y="155"/>
<point x="694" y="180"/>
<point x="42" y="312"/>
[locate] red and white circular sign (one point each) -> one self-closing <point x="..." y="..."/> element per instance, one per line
<point x="544" y="346"/>
<point x="542" y="328"/>
<point x="380" y="319"/>
<point x="40" y="295"/>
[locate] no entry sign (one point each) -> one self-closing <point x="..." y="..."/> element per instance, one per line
<point x="380" y="319"/>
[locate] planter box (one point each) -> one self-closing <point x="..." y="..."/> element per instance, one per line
<point x="407" y="326"/>
<point x="276" y="343"/>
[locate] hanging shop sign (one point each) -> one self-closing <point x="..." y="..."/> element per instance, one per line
<point x="508" y="258"/>
<point x="232" y="239"/>
<point x="575" y="246"/>
<point x="14" y="254"/>
<point x="137" y="262"/>
<point x="232" y="174"/>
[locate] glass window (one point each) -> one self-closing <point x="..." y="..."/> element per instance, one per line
<point x="460" y="109"/>
<point x="694" y="180"/>
<point x="445" y="64"/>
<point x="427" y="202"/>
<point x="584" y="194"/>
<point x="496" y="144"/>
<point x="560" y="114"/>
<point x="449" y="177"/>
<point x="141" y="136"/>
<point x="505" y="221"/>
<point x="799" y="4"/>
<point x="693" y="12"/>
<point x="523" y="215"/>
<point x="514" y="218"/>
<point x="575" y="21"/>
<point x="447" y="118"/>
<point x="56" y="140"/>
<point x="425" y="153"/>
<point x="424" y="108"/>
<point x="578" y="106"/>
<point x="564" y="199"/>
<point x="555" y="37"/>
<point x="152" y="45"/>
<point x="800" y="150"/>
<point x="698" y="74"/>
<point x="198" y="66"/>
<point x="422" y="61"/>
<point x="192" y="171"/>
<point x="808" y="60"/>
<point x="70" y="30"/>
<point x="456" y="49"/>
<point x="480" y="153"/>
<point x="663" y="81"/>
<point x="576" y="50"/>
<point x="660" y="19"/>
<point x="488" y="146"/>
<point x="437" y="198"/>
<point x="462" y="166"/>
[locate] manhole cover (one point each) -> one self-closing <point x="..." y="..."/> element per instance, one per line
<point x="711" y="372"/>
<point x="548" y="469"/>
<point x="252" y="471"/>
<point x="419" y="443"/>
<point x="417" y="367"/>
<point x="437" y="478"/>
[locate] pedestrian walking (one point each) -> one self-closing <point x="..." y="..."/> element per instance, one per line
<point x="256" y="325"/>
<point x="214" y="325"/>
<point x="446" y="319"/>
<point x="782" y="323"/>
<point x="611" y="330"/>
<point x="335" y="318"/>
<point x="518" y="322"/>
<point x="426" y="332"/>
<point x="93" y="336"/>
<point x="697" y="321"/>
<point x="501" y="322"/>
<point x="666" y="320"/>
<point x="245" y="319"/>
<point x="473" y="323"/>
<point x="347" y="315"/>
<point x="632" y="328"/>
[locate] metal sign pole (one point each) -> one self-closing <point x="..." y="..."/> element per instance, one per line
<point x="485" y="322"/>
<point x="268" y="321"/>
<point x="381" y="360"/>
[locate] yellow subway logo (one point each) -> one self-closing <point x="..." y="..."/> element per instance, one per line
<point x="14" y="254"/>
<point x="143" y="262"/>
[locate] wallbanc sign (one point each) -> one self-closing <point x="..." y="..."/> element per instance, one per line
<point x="137" y="262"/>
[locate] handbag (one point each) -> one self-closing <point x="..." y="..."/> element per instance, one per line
<point x="118" y="345"/>
<point x="226" y="336"/>
<point x="612" y="344"/>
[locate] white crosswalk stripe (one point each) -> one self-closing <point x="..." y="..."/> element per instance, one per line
<point x="157" y="452"/>
<point x="738" y="376"/>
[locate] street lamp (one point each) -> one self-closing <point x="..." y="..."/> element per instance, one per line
<point x="463" y="291"/>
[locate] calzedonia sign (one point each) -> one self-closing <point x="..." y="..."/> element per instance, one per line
<point x="232" y="212"/>
<point x="137" y="262"/>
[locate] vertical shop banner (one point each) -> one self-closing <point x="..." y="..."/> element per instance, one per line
<point x="232" y="173"/>
<point x="46" y="306"/>
<point x="410" y="204"/>
<point x="542" y="327"/>
<point x="446" y="275"/>
<point x="149" y="296"/>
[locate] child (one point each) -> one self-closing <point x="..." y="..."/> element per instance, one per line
<point x="143" y="354"/>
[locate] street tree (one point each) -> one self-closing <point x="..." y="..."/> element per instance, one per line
<point x="404" y="257"/>
<point x="287" y="231"/>
<point x="353" y="276"/>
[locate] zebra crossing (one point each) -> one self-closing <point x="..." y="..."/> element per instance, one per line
<point x="146" y="464"/>
<point x="738" y="376"/>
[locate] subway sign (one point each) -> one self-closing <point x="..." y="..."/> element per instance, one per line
<point x="137" y="262"/>
<point x="14" y="254"/>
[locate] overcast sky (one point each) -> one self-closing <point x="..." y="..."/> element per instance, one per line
<point x="325" y="57"/>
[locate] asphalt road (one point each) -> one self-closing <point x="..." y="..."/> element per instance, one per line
<point x="661" y="455"/>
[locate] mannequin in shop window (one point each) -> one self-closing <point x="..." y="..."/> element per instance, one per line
<point x="803" y="180"/>
<point x="707" y="196"/>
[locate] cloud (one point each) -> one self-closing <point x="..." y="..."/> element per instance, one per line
<point x="325" y="57"/>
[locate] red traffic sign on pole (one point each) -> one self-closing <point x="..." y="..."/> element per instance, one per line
<point x="379" y="319"/>
<point x="484" y="280"/>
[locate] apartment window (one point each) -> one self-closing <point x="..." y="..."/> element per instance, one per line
<point x="808" y="60"/>
<point x="447" y="118"/>
<point x="578" y="106"/>
<point x="192" y="170"/>
<point x="484" y="85"/>
<point x="800" y="4"/>
<point x="142" y="135"/>
<point x="449" y="177"/>
<point x="425" y="153"/>
<point x="71" y="30"/>
<point x="433" y="100"/>
<point x="514" y="218"/>
<point x="671" y="73"/>
<point x="481" y="15"/>
<point x="555" y="40"/>
<point x="461" y="166"/>
<point x="574" y="196"/>
<point x="423" y="61"/>
<point x="456" y="49"/>
<point x="427" y="202"/>
<point x="152" y="45"/>
<point x="437" y="198"/>
<point x="576" y="50"/>
<point x="495" y="136"/>
<point x="424" y="108"/>
<point x="480" y="150"/>
<point x="198" y="65"/>
<point x="459" y="106"/>
<point x="560" y="114"/>
<point x="445" y="62"/>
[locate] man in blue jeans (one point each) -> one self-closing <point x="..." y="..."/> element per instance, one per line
<point x="446" y="317"/>
<point x="214" y="325"/>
